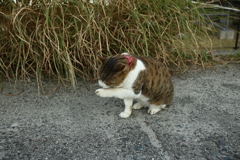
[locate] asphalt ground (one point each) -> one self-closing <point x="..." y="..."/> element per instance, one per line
<point x="202" y="124"/>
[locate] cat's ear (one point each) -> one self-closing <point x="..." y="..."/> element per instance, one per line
<point x="101" y="59"/>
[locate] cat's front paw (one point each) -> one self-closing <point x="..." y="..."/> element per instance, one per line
<point x="124" y="115"/>
<point x="101" y="92"/>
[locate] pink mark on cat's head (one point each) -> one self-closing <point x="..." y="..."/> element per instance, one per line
<point x="130" y="60"/>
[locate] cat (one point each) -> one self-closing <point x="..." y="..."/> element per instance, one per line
<point x="128" y="77"/>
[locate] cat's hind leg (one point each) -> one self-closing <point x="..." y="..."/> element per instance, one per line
<point x="153" y="109"/>
<point x="128" y="108"/>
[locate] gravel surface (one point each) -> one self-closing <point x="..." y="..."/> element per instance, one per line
<point x="203" y="122"/>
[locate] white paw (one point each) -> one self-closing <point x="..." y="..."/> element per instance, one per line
<point x="153" y="110"/>
<point x="101" y="92"/>
<point x="137" y="106"/>
<point x="124" y="115"/>
<point x="98" y="92"/>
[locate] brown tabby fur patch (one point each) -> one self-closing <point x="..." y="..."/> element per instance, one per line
<point x="155" y="82"/>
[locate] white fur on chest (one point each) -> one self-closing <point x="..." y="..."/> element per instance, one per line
<point x="132" y="75"/>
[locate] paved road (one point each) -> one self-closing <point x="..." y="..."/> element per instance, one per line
<point x="203" y="122"/>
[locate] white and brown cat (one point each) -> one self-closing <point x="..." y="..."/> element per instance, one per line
<point x="130" y="77"/>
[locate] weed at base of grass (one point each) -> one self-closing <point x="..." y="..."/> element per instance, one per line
<point x="231" y="57"/>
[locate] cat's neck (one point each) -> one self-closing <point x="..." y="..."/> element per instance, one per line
<point x="133" y="74"/>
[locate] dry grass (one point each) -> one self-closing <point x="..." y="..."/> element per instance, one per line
<point x="62" y="39"/>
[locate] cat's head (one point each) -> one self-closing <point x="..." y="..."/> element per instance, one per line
<point x="113" y="70"/>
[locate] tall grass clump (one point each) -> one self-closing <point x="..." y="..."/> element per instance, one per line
<point x="62" y="38"/>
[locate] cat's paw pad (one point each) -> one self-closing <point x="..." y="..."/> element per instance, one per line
<point x="124" y="115"/>
<point x="153" y="110"/>
<point x="100" y="92"/>
<point x="137" y="106"/>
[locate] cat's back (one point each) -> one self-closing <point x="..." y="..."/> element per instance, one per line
<point x="154" y="68"/>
